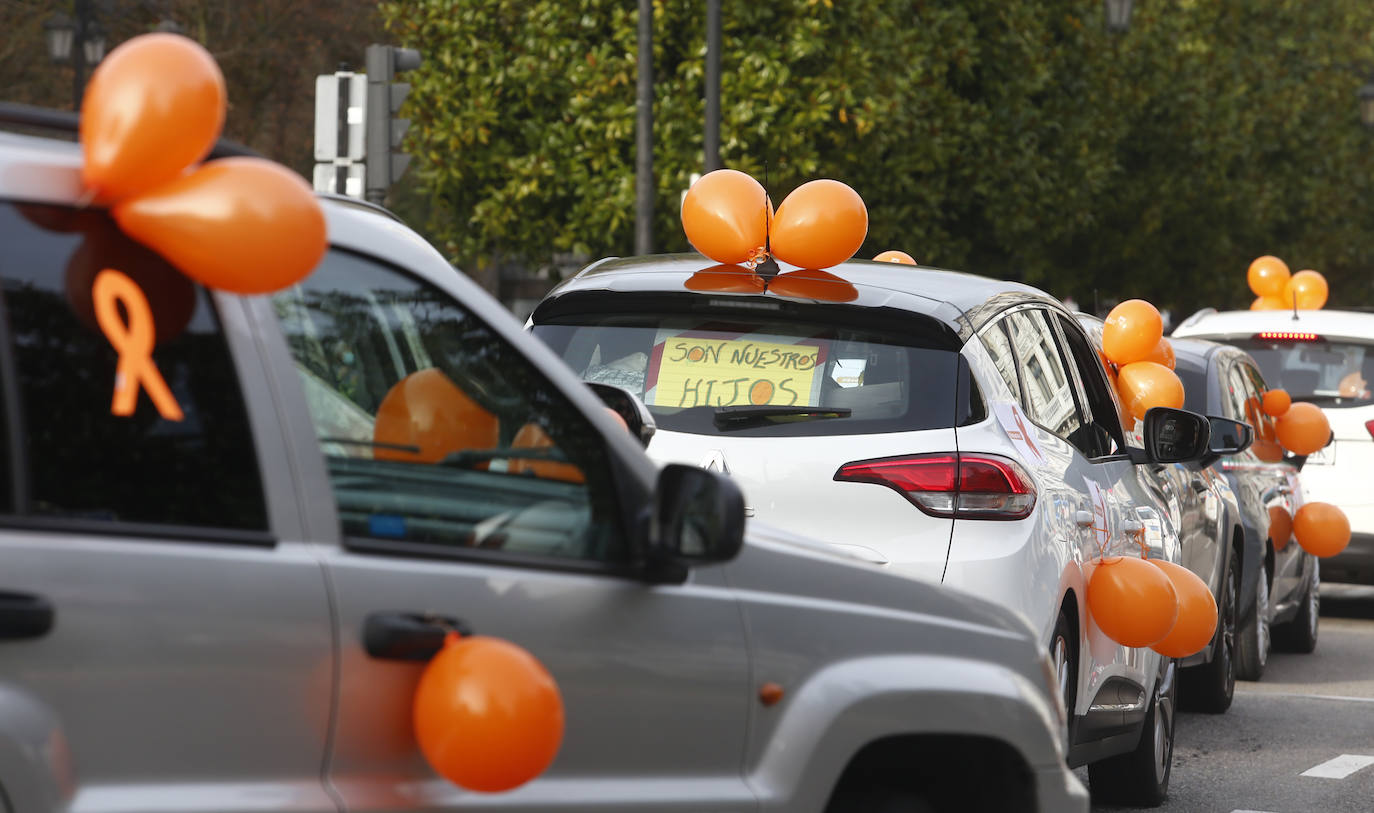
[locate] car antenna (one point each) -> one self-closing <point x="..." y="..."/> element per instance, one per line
<point x="1295" y="306"/>
<point x="769" y="267"/>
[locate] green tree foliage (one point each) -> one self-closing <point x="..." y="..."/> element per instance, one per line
<point x="1014" y="139"/>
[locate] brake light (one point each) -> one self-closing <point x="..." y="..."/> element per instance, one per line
<point x="949" y="484"/>
<point x="1370" y="426"/>
<point x="1287" y="336"/>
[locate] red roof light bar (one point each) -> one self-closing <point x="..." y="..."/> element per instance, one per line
<point x="1287" y="336"/>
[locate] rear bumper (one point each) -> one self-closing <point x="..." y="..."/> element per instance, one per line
<point x="1354" y="564"/>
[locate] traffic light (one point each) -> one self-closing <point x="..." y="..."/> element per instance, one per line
<point x="385" y="161"/>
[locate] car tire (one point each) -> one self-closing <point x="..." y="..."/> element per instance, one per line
<point x="1141" y="778"/>
<point x="1210" y="687"/>
<point x="1300" y="634"/>
<point x="1064" y="659"/>
<point x="1253" y="640"/>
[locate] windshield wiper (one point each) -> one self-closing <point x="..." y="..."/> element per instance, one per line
<point x="739" y="417"/>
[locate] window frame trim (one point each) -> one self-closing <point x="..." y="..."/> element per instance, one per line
<point x="320" y="511"/>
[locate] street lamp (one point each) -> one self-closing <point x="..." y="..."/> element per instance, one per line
<point x="1367" y="103"/>
<point x="1118" y="15"/>
<point x="80" y="39"/>
<point x="60" y="30"/>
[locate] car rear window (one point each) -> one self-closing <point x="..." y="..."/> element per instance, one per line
<point x="1337" y="373"/>
<point x="1194" y="378"/>
<point x="755" y="376"/>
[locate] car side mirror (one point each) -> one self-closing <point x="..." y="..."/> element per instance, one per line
<point x="1228" y="438"/>
<point x="698" y="518"/>
<point x="1173" y="436"/>
<point x="630" y="409"/>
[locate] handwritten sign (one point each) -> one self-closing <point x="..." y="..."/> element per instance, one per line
<point x="711" y="369"/>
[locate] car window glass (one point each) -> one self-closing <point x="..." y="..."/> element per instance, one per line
<point x="1330" y="373"/>
<point x="437" y="432"/>
<point x="998" y="345"/>
<point x="702" y="373"/>
<point x="185" y="460"/>
<point x="1048" y="396"/>
<point x="1100" y="435"/>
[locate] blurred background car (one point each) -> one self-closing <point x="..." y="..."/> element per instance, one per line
<point x="1325" y="357"/>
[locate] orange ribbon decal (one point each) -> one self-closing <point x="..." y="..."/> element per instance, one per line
<point x="133" y="342"/>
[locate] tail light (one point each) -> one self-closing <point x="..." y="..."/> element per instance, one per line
<point x="1369" y="425"/>
<point x="1287" y="336"/>
<point x="949" y="484"/>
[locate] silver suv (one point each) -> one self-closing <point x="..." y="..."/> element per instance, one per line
<point x="231" y="611"/>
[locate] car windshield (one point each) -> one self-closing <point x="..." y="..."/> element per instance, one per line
<point x="704" y="374"/>
<point x="1329" y="373"/>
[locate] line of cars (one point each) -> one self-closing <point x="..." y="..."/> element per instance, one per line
<point x="234" y="609"/>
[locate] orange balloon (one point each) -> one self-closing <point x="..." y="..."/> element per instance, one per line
<point x="1197" y="613"/>
<point x="533" y="436"/>
<point x="894" y="256"/>
<point x="1308" y="288"/>
<point x="153" y="108"/>
<point x="1132" y="601"/>
<point x="1162" y="354"/>
<point x="815" y="284"/>
<point x="1269" y="303"/>
<point x="171" y="296"/>
<point x="725" y="215"/>
<point x="428" y="411"/>
<point x="1280" y="526"/>
<point x="1267" y="276"/>
<point x="1145" y="384"/>
<point x="1321" y="528"/>
<point x="1267" y="450"/>
<point x="1131" y="331"/>
<point x="822" y="223"/>
<point x="488" y="716"/>
<point x="1276" y="402"/>
<point x="1303" y="428"/>
<point x="726" y="279"/>
<point x="244" y="225"/>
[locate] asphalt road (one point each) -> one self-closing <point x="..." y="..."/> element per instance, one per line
<point x="1299" y="741"/>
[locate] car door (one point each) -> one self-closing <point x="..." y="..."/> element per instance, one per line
<point x="1244" y="388"/>
<point x="1093" y="488"/>
<point x="160" y="609"/>
<point x="523" y="527"/>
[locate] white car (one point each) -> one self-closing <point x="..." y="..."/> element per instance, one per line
<point x="1327" y="358"/>
<point x="952" y="428"/>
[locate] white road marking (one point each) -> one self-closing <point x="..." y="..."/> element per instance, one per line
<point x="1340" y="767"/>
<point x="1249" y="811"/>
<point x="1342" y="698"/>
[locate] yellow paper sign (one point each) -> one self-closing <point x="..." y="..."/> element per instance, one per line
<point x="693" y="369"/>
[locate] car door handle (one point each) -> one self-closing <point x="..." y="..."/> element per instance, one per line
<point x="400" y="636"/>
<point x="1083" y="518"/>
<point x="1199" y="485"/>
<point x="23" y="615"/>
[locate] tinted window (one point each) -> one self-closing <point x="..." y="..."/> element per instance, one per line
<point x="1194" y="378"/>
<point x="1328" y="373"/>
<point x="998" y="345"/>
<point x="79" y="460"/>
<point x="436" y="431"/>
<point x="1100" y="435"/>
<point x="694" y="371"/>
<point x="1048" y="396"/>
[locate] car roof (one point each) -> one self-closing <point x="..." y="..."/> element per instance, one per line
<point x="1244" y="324"/>
<point x="962" y="301"/>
